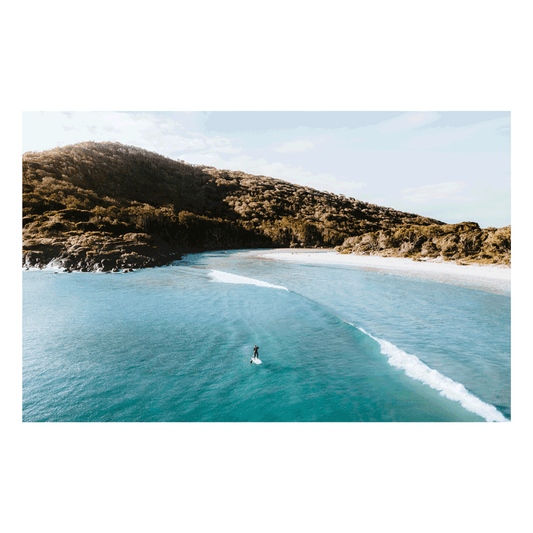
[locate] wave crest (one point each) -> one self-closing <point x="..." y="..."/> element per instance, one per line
<point x="448" y="388"/>
<point x="225" y="277"/>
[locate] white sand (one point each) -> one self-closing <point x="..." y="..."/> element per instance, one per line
<point x="447" y="268"/>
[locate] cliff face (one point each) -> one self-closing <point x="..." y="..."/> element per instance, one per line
<point x="105" y="206"/>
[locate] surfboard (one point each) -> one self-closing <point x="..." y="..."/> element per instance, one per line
<point x="256" y="360"/>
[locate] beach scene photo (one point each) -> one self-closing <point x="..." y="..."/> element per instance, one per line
<point x="269" y="266"/>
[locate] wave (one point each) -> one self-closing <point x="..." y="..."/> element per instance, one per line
<point x="410" y="364"/>
<point x="448" y="388"/>
<point x="56" y="267"/>
<point x="225" y="277"/>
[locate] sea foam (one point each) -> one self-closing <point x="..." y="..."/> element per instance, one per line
<point x="225" y="277"/>
<point x="448" y="388"/>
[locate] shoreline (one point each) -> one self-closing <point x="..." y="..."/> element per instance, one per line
<point x="485" y="277"/>
<point x="437" y="270"/>
<point x="401" y="263"/>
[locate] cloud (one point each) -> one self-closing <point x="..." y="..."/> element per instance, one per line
<point x="261" y="167"/>
<point x="438" y="191"/>
<point x="163" y="134"/>
<point x="407" y="121"/>
<point x="296" y="146"/>
<point x="438" y="137"/>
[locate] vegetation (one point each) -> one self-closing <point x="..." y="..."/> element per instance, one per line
<point x="105" y="206"/>
<point x="465" y="243"/>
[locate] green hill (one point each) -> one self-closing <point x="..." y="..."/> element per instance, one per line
<point x="105" y="206"/>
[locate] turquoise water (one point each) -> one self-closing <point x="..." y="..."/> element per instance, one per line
<point x="337" y="344"/>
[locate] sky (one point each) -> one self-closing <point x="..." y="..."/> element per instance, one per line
<point x="453" y="166"/>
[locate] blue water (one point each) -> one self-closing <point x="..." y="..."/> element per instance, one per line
<point x="337" y="344"/>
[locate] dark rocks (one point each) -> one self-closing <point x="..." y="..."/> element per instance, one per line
<point x="107" y="265"/>
<point x="104" y="256"/>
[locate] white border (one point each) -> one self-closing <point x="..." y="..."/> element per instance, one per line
<point x="15" y="101"/>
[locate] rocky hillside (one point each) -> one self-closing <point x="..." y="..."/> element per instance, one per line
<point x="464" y="243"/>
<point x="107" y="206"/>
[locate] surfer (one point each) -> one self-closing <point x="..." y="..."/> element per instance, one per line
<point x="255" y="354"/>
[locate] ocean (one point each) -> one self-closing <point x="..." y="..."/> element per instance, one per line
<point x="338" y="343"/>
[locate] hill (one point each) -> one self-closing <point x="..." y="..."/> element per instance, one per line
<point x="108" y="206"/>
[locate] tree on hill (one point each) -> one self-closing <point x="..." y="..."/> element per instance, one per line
<point x="107" y="205"/>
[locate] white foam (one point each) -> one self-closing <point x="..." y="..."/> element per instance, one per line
<point x="52" y="266"/>
<point x="448" y="388"/>
<point x="225" y="277"/>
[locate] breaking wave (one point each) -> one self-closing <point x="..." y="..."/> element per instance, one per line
<point x="225" y="277"/>
<point x="448" y="388"/>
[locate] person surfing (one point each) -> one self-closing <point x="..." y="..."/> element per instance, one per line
<point x="256" y="353"/>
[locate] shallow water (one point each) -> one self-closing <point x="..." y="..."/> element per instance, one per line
<point x="337" y="344"/>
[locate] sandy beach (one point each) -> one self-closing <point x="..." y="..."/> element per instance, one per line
<point x="481" y="276"/>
